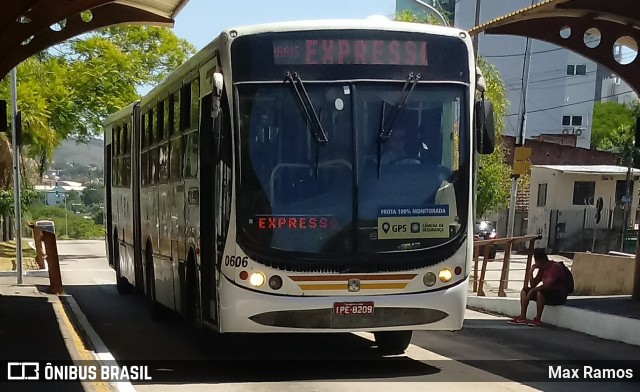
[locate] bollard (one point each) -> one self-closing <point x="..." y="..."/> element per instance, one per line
<point x="37" y="243"/>
<point x="55" y="278"/>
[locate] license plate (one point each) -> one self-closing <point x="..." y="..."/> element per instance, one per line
<point x="345" y="308"/>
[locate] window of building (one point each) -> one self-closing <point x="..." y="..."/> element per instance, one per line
<point x="621" y="190"/>
<point x="542" y="195"/>
<point x="577" y="69"/>
<point x="575" y="121"/>
<point x="583" y="192"/>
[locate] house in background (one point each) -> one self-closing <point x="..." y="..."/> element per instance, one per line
<point x="55" y="193"/>
<point x="563" y="205"/>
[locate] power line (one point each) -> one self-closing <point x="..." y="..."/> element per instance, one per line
<point x="571" y="104"/>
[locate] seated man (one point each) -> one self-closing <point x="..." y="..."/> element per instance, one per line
<point x="394" y="150"/>
<point x="552" y="291"/>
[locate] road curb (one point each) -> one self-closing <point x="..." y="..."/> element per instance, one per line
<point x="101" y="352"/>
<point x="602" y="325"/>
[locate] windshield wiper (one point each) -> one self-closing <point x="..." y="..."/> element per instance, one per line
<point x="315" y="127"/>
<point x="385" y="130"/>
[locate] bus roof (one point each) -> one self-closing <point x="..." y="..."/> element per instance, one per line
<point x="337" y="24"/>
<point x="302" y="25"/>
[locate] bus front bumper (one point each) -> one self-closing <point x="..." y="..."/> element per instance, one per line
<point x="243" y="310"/>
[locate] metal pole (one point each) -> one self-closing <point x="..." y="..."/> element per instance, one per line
<point x="477" y="22"/>
<point x="66" y="217"/>
<point x="522" y="129"/>
<point x="16" y="173"/>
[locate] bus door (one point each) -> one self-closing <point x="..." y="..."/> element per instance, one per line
<point x="208" y="180"/>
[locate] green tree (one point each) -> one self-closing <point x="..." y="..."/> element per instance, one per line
<point x="610" y="119"/>
<point x="93" y="194"/>
<point x="69" y="89"/>
<point x="494" y="176"/>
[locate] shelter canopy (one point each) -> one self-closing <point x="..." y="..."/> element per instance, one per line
<point x="592" y="28"/>
<point x="30" y="26"/>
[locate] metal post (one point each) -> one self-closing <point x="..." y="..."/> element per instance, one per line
<point x="66" y="216"/>
<point x="16" y="173"/>
<point x="477" y="22"/>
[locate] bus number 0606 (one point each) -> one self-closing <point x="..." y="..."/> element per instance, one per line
<point x="236" y="261"/>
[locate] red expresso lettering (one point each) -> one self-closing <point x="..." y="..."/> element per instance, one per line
<point x="272" y="223"/>
<point x="327" y="52"/>
<point x="377" y="52"/>
<point x="302" y="223"/>
<point x="293" y="223"/>
<point x="394" y="53"/>
<point x="312" y="50"/>
<point x="282" y="222"/>
<point x="313" y="223"/>
<point x="324" y="223"/>
<point x="410" y="54"/>
<point x="423" y="54"/>
<point x="262" y="223"/>
<point x="344" y="50"/>
<point x="360" y="52"/>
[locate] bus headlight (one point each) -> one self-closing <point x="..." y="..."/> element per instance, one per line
<point x="445" y="275"/>
<point x="257" y="279"/>
<point x="429" y="279"/>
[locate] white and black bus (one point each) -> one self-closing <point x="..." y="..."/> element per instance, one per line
<point x="304" y="177"/>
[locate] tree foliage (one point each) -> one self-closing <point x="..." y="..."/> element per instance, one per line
<point x="71" y="88"/>
<point x="611" y="121"/>
<point x="494" y="176"/>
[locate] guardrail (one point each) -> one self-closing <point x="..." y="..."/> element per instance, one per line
<point x="478" y="283"/>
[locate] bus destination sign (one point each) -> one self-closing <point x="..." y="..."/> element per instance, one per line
<point x="350" y="51"/>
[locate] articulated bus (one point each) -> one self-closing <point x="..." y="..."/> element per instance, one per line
<point x="311" y="176"/>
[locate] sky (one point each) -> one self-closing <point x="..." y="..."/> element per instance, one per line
<point x="201" y="21"/>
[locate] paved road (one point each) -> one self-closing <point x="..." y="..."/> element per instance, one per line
<point x="487" y="349"/>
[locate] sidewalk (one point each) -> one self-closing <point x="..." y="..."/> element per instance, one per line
<point x="614" y="317"/>
<point x="37" y="327"/>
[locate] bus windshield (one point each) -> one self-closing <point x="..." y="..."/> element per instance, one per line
<point x="358" y="193"/>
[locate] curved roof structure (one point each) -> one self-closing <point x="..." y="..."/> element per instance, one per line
<point x="29" y="26"/>
<point x="591" y="28"/>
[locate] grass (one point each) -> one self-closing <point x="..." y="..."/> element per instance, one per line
<point x="8" y="256"/>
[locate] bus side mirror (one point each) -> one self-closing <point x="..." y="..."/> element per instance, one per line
<point x="485" y="127"/>
<point x="4" y="123"/>
<point x="218" y="84"/>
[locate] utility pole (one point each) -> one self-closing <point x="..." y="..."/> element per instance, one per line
<point x="16" y="172"/>
<point x="477" y="22"/>
<point x="522" y="129"/>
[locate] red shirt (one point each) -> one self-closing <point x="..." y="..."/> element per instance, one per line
<point x="552" y="276"/>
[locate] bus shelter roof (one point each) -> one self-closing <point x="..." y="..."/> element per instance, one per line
<point x="30" y="26"/>
<point x="591" y="28"/>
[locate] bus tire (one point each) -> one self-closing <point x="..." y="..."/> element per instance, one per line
<point x="122" y="284"/>
<point x="193" y="292"/>
<point x="393" y="342"/>
<point x="157" y="311"/>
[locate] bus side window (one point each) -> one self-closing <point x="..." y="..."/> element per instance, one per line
<point x="195" y="96"/>
<point x="185" y="107"/>
<point x="144" y="168"/>
<point x="153" y="166"/>
<point x="167" y="116"/>
<point x="191" y="155"/>
<point x="151" y="126"/>
<point x="159" y="122"/>
<point x="175" y="156"/>
<point x="174" y="113"/>
<point x="163" y="162"/>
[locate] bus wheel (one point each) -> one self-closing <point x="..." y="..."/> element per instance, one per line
<point x="393" y="342"/>
<point x="193" y="293"/>
<point x="122" y="284"/>
<point x="157" y="311"/>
